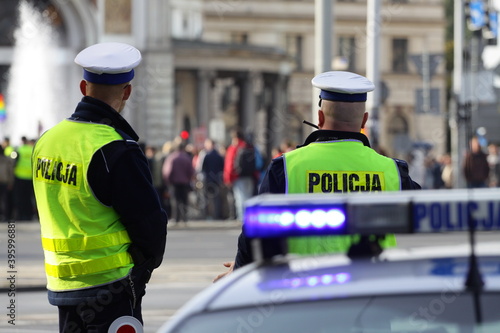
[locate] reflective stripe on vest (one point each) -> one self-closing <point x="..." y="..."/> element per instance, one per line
<point x="88" y="267"/>
<point x="84" y="242"/>
<point x="337" y="167"/>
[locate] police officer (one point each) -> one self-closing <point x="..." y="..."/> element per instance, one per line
<point x="7" y="148"/>
<point x="102" y="226"/>
<point x="337" y="158"/>
<point x="23" y="185"/>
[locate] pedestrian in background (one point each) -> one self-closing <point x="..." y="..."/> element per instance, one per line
<point x="9" y="195"/>
<point x="475" y="167"/>
<point x="337" y="149"/>
<point x="6" y="184"/>
<point x="178" y="172"/>
<point x="239" y="170"/>
<point x="447" y="171"/>
<point x="212" y="168"/>
<point x="23" y="182"/>
<point x="7" y="148"/>
<point x="433" y="173"/>
<point x="103" y="228"/>
<point x="494" y="164"/>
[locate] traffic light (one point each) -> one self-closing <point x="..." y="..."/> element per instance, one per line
<point x="481" y="18"/>
<point x="475" y="14"/>
<point x="490" y="30"/>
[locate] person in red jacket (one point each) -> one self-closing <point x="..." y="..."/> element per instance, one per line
<point x="242" y="183"/>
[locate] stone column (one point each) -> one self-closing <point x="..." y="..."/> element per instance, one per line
<point x="152" y="102"/>
<point x="155" y="98"/>
<point x="249" y="83"/>
<point x="204" y="111"/>
<point x="277" y="110"/>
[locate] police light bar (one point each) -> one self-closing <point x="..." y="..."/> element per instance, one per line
<point x="280" y="215"/>
<point x="306" y="281"/>
<point x="272" y="219"/>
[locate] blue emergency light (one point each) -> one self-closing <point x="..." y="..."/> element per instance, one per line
<point x="280" y="215"/>
<point x="306" y="281"/>
<point x="269" y="221"/>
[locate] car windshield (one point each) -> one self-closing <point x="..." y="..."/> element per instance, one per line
<point x="446" y="312"/>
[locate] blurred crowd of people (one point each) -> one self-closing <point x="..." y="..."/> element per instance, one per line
<point x="480" y="167"/>
<point x="17" y="200"/>
<point x="212" y="182"/>
<point x="431" y="171"/>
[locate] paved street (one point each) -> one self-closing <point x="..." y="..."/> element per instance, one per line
<point x="34" y="314"/>
<point x="193" y="258"/>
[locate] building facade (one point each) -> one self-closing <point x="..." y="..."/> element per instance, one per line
<point x="411" y="41"/>
<point x="78" y="24"/>
<point x="210" y="66"/>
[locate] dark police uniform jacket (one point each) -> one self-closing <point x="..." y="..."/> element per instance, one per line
<point x="119" y="177"/>
<point x="274" y="182"/>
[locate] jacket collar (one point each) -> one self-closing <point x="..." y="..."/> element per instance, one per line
<point x="95" y="111"/>
<point x="329" y="135"/>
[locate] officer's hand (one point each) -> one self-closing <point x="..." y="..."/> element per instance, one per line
<point x="230" y="265"/>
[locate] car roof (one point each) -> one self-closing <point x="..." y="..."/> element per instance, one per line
<point x="416" y="271"/>
<point x="303" y="279"/>
<point x="311" y="278"/>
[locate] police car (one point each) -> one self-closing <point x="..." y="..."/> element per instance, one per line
<point x="453" y="289"/>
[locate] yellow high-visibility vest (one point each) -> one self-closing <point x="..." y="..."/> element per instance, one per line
<point x="84" y="242"/>
<point x="343" y="166"/>
<point x="8" y="151"/>
<point x="22" y="170"/>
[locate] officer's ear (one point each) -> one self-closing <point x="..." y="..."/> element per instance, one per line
<point x="127" y="90"/>
<point x="321" y="119"/>
<point x="83" y="87"/>
<point x="365" y="119"/>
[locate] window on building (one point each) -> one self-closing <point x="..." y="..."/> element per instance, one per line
<point x="346" y="54"/>
<point x="400" y="55"/>
<point x="398" y="129"/>
<point x="239" y="38"/>
<point x="294" y="49"/>
<point x="186" y="23"/>
<point x="118" y="17"/>
<point x="9" y="20"/>
<point x="4" y="78"/>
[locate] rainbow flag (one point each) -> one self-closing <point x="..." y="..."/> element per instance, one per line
<point x="3" y="112"/>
